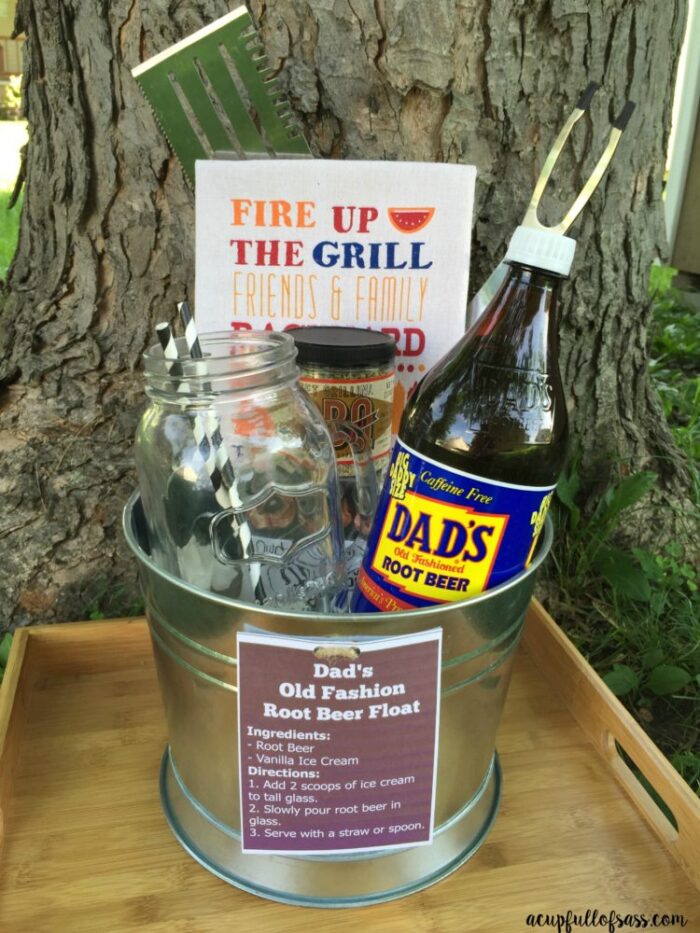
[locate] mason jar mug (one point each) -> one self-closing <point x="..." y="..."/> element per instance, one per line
<point x="237" y="474"/>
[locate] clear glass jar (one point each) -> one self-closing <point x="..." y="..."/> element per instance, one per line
<point x="237" y="474"/>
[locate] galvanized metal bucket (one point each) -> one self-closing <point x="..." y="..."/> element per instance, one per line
<point x="194" y="643"/>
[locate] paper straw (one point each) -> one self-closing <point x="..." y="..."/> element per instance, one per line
<point x="211" y="446"/>
<point x="191" y="335"/>
<point x="241" y="528"/>
<point x="172" y="358"/>
<point x="208" y="451"/>
<point x="204" y="444"/>
<point x="209" y="440"/>
<point x="167" y="342"/>
<point x="214" y="428"/>
<point x="222" y="461"/>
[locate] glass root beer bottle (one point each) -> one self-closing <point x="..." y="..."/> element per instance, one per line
<point x="480" y="448"/>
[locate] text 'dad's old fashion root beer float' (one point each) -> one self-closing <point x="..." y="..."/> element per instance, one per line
<point x="480" y="448"/>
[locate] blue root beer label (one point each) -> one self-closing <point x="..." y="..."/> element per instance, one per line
<point x="440" y="534"/>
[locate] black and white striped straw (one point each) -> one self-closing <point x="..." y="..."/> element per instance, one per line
<point x="172" y="357"/>
<point x="204" y="443"/>
<point x="191" y="336"/>
<point x="208" y="437"/>
<point x="213" y="427"/>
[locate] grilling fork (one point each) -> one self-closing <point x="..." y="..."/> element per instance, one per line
<point x="490" y="287"/>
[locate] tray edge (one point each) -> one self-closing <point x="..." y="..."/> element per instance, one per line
<point x="14" y="704"/>
<point x="63" y="648"/>
<point x="605" y="722"/>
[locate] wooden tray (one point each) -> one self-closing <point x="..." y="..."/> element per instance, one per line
<point x="86" y="847"/>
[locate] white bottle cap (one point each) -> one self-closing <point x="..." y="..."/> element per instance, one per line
<point x="541" y="249"/>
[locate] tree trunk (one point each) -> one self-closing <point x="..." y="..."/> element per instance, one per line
<point x="106" y="245"/>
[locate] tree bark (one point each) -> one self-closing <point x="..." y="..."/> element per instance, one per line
<point x="106" y="244"/>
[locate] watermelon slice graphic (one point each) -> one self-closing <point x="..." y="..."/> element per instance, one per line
<point x="410" y="219"/>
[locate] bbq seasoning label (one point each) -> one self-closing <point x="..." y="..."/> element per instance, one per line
<point x="441" y="534"/>
<point x="358" y="405"/>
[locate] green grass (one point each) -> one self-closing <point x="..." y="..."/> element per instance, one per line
<point x="13" y="135"/>
<point x="636" y="614"/>
<point x="5" y="645"/>
<point x="675" y="365"/>
<point x="104" y="599"/>
<point x="9" y="225"/>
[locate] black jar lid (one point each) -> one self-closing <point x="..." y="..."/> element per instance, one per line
<point x="342" y="346"/>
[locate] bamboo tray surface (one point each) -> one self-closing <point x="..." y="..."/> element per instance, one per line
<point x="85" y="846"/>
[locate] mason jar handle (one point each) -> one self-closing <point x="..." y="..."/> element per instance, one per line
<point x="365" y="476"/>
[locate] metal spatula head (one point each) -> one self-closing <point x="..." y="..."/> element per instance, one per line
<point x="214" y="92"/>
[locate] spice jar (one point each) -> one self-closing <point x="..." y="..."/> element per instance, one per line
<point x="349" y="375"/>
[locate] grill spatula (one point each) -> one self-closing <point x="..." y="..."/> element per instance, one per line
<point x="213" y="93"/>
